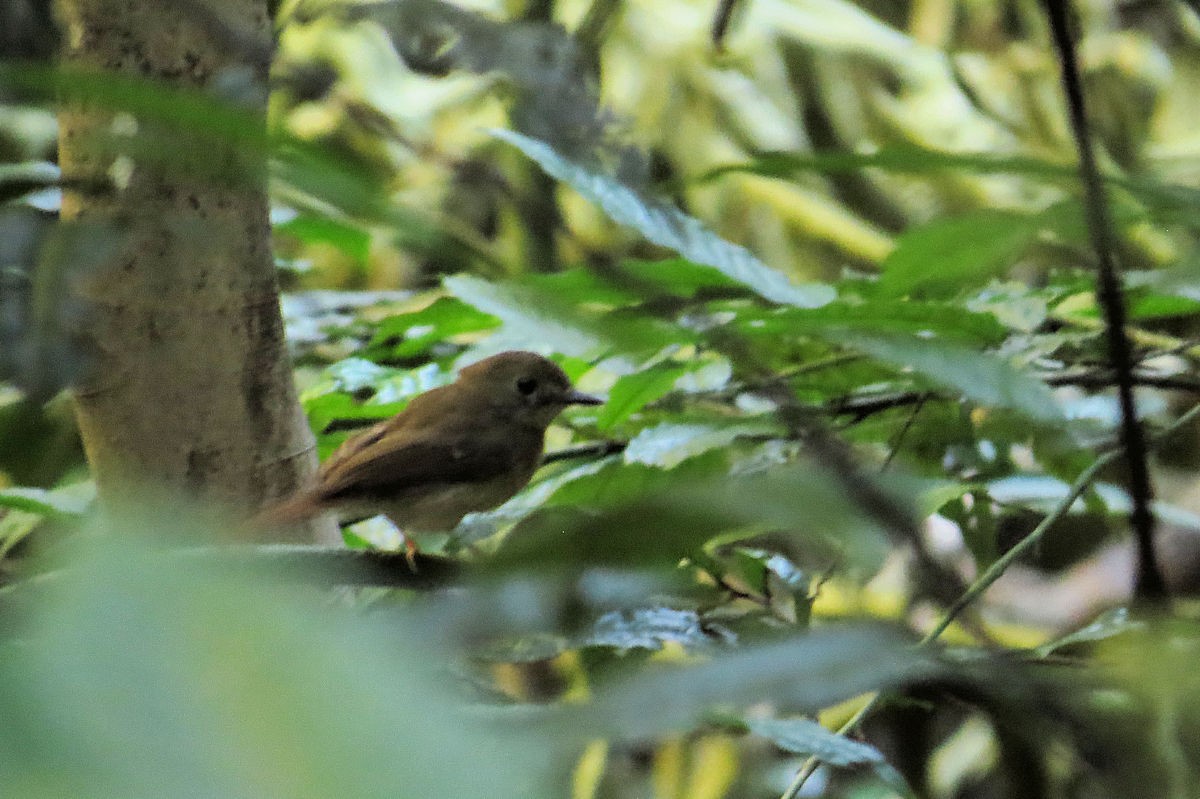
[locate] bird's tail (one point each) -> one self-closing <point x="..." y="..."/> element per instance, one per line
<point x="287" y="512"/>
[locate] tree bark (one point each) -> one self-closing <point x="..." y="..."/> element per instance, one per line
<point x="191" y="388"/>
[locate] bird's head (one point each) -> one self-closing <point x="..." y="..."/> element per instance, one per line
<point x="523" y="387"/>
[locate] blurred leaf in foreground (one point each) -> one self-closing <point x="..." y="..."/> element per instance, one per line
<point x="132" y="675"/>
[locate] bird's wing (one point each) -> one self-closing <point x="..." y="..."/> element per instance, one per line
<point x="391" y="465"/>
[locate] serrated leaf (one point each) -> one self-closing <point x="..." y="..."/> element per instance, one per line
<point x="669" y="444"/>
<point x="945" y="256"/>
<point x="633" y="392"/>
<point x="808" y="738"/>
<point x="978" y="376"/>
<point x="669" y="227"/>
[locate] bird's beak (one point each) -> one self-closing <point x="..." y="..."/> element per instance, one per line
<point x="574" y="397"/>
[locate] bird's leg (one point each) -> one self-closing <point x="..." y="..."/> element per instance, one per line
<point x="410" y="551"/>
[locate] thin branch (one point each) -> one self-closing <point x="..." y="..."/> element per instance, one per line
<point x="1149" y="584"/>
<point x="324" y="566"/>
<point x="997" y="569"/>
<point x="989" y="577"/>
<point x="900" y="436"/>
<point x="720" y="23"/>
<point x="810" y="765"/>
<point x="1106" y="378"/>
<point x="805" y="424"/>
<point x="1080" y="485"/>
<point x="597" y="449"/>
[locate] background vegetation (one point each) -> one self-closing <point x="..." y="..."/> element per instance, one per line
<point x="829" y="263"/>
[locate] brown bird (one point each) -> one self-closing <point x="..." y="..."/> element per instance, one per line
<point x="460" y="448"/>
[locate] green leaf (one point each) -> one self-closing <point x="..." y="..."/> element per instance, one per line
<point x="633" y="392"/>
<point x="669" y="227"/>
<point x="408" y="334"/>
<point x="43" y="502"/>
<point x="1159" y="306"/>
<point x="645" y="517"/>
<point x="949" y="321"/>
<point x="1109" y="624"/>
<point x="679" y="276"/>
<point x="980" y="377"/>
<point x="478" y="526"/>
<point x="945" y="256"/>
<point x="222" y="688"/>
<point x="808" y="738"/>
<point x="669" y="444"/>
<point x="336" y="406"/>
<point x="350" y="240"/>
<point x="931" y="495"/>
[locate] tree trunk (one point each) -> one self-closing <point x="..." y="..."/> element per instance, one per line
<point x="191" y="388"/>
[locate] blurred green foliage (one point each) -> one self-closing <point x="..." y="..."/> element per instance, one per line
<point x="854" y="223"/>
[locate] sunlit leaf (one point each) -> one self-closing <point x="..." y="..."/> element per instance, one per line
<point x="538" y="315"/>
<point x="669" y="227"/>
<point x="633" y="392"/>
<point x="408" y="334"/>
<point x="648" y="628"/>
<point x="669" y="444"/>
<point x="336" y="406"/>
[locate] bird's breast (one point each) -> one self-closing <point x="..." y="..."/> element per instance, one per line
<point x="441" y="508"/>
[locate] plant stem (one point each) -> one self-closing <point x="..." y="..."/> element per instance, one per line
<point x="1149" y="584"/>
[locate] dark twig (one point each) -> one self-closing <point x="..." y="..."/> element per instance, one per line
<point x="1149" y="583"/>
<point x="900" y="436"/>
<point x="595" y="449"/>
<point x="323" y="566"/>
<point x="1106" y="378"/>
<point x="805" y="425"/>
<point x="720" y="24"/>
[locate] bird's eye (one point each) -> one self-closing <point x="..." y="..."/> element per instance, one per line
<point x="527" y="385"/>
